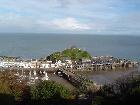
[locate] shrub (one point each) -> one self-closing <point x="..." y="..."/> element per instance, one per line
<point x="49" y="89"/>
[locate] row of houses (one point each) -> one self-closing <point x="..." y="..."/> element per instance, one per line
<point x="32" y="64"/>
<point x="96" y="63"/>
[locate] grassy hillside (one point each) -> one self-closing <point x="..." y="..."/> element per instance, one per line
<point x="71" y="53"/>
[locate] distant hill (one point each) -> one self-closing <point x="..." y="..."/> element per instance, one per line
<point x="10" y="58"/>
<point x="72" y="53"/>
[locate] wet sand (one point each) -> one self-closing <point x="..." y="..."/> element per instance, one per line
<point x="107" y="77"/>
<point x="61" y="81"/>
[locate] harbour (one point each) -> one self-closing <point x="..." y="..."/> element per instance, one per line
<point x="75" y="79"/>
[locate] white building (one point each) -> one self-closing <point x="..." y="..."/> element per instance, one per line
<point x="59" y="64"/>
<point x="45" y="65"/>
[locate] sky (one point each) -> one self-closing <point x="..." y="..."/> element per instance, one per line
<point x="70" y="16"/>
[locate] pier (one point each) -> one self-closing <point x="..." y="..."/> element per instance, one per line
<point x="78" y="81"/>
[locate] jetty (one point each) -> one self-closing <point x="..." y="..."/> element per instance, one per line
<point x="78" y="80"/>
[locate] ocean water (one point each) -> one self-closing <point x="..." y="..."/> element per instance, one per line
<point x="41" y="45"/>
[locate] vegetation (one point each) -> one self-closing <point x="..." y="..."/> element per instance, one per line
<point x="49" y="89"/>
<point x="73" y="53"/>
<point x="10" y="85"/>
<point x="14" y="92"/>
<point x="123" y="92"/>
<point x="11" y="90"/>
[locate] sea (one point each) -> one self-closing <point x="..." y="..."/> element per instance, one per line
<point x="41" y="45"/>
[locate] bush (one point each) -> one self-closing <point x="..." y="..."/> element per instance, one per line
<point x="123" y="92"/>
<point x="49" y="89"/>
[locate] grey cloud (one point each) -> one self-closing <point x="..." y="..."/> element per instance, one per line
<point x="124" y="24"/>
<point x="67" y="3"/>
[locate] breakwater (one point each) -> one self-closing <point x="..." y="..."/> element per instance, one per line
<point x="89" y="79"/>
<point x="78" y="81"/>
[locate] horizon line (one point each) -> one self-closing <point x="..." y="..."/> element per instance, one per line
<point x="94" y="34"/>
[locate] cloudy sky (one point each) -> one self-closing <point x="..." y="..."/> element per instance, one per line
<point x="70" y="16"/>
